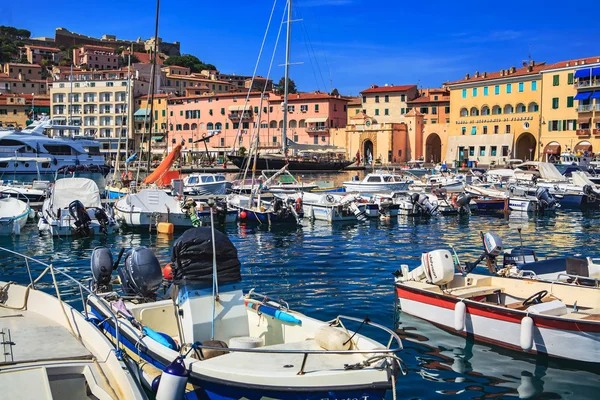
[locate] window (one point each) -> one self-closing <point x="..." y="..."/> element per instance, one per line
<point x="493" y="151"/>
<point x="554" y="125"/>
<point x="357" y="111"/>
<point x="473" y="130"/>
<point x="474" y="92"/>
<point x="223" y="111"/>
<point x="316" y="108"/>
<point x="570" y="78"/>
<point x="485" y="110"/>
<point x="464" y="112"/>
<point x="377" y="111"/>
<point x="447" y="110"/>
<point x="555" y="102"/>
<point x="521" y="86"/>
<point x="533" y="107"/>
<point x="496" y="129"/>
<point x="376" y="99"/>
<point x="507" y="129"/>
<point x="304" y="108"/>
<point x="471" y="151"/>
<point x="402" y="97"/>
<point x="556" y="80"/>
<point x="178" y="127"/>
<point x="505" y="151"/>
<point x="434" y="121"/>
<point x="497" y="89"/>
<point x="481" y="151"/>
<point x="570" y="100"/>
<point x="403" y="111"/>
<point x="509" y="88"/>
<point x="571" y="124"/>
<point x="386" y="111"/>
<point x="533" y="86"/>
<point x="464" y="130"/>
<point x="433" y="110"/>
<point x="484" y="130"/>
<point x="315" y="139"/>
<point x="364" y="99"/>
<point x="485" y="91"/>
<point x="387" y="98"/>
<point x="424" y="110"/>
<point x="464" y="93"/>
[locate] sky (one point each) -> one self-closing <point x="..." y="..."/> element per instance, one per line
<point x="343" y="44"/>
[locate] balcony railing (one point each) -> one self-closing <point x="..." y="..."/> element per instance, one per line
<point x="587" y="84"/>
<point x="596" y="132"/>
<point x="317" y="129"/>
<point x="236" y="117"/>
<point x="585" y="108"/>
<point x="583" y="132"/>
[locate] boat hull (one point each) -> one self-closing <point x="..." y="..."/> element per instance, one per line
<point x="137" y="219"/>
<point x="376" y="188"/>
<point x="293" y="165"/>
<point x="574" y="340"/>
<point x="8" y="225"/>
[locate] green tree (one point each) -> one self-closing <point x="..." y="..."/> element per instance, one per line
<point x="280" y="86"/>
<point x="188" y="61"/>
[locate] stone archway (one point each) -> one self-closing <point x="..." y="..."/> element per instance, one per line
<point x="433" y="148"/>
<point x="367" y="148"/>
<point x="526" y="147"/>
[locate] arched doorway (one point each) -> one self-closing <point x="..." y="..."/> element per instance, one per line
<point x="433" y="148"/>
<point x="368" y="156"/>
<point x="526" y="147"/>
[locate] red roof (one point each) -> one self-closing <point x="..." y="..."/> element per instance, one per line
<point x="42" y="47"/>
<point x="313" y="96"/>
<point x="5" y="78"/>
<point x="384" y="89"/>
<point x="523" y="71"/>
<point x="143" y="57"/>
<point x="580" y="63"/>
<point x="429" y="99"/>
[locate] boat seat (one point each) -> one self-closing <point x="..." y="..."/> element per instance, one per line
<point x="474" y="291"/>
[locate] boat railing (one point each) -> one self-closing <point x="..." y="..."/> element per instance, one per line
<point x="561" y="278"/>
<point x="82" y="288"/>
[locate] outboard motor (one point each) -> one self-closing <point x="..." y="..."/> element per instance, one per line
<point x="592" y="193"/>
<point x="426" y="206"/>
<point x="141" y="275"/>
<point x="437" y="267"/>
<point x="82" y="219"/>
<point x="519" y="256"/>
<point x="546" y="199"/>
<point x="462" y="203"/>
<point x="492" y="247"/>
<point x="101" y="265"/>
<point x="221" y="211"/>
<point x="102" y="219"/>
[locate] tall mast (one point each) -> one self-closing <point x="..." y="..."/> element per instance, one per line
<point x="286" y="76"/>
<point x="128" y="94"/>
<point x="71" y="96"/>
<point x="152" y="85"/>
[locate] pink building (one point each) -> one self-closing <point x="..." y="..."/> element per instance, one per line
<point x="35" y="54"/>
<point x="310" y="117"/>
<point x="96" y="57"/>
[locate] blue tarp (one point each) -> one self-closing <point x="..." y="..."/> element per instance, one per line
<point x="583" y="96"/>
<point x="582" y="73"/>
<point x="130" y="159"/>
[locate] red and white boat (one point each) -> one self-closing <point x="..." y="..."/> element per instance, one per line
<point x="554" y="319"/>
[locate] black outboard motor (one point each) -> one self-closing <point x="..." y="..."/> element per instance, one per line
<point x="102" y="219"/>
<point x="462" y="202"/>
<point x="141" y="275"/>
<point x="82" y="219"/>
<point x="101" y="265"/>
<point x="221" y="211"/>
<point x="519" y="256"/>
<point x="546" y="199"/>
<point x="592" y="194"/>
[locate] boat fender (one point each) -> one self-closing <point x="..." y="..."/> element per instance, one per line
<point x="16" y="227"/>
<point x="31" y="213"/>
<point x="160" y="337"/>
<point x="245" y="342"/>
<point x="332" y="339"/>
<point x="172" y="381"/>
<point x="460" y="315"/>
<point x="526" y="333"/>
<point x="243" y="215"/>
<point x="299" y="204"/>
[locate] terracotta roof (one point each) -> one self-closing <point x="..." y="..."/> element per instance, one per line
<point x="175" y="66"/>
<point x="94" y="47"/>
<point x="5" y="78"/>
<point x="581" y="63"/>
<point x="361" y="116"/>
<point x="383" y="89"/>
<point x="23" y="65"/>
<point x="354" y="101"/>
<point x="429" y="99"/>
<point x="487" y="76"/>
<point x="143" y="57"/>
<point x="42" y="47"/>
<point x="313" y="96"/>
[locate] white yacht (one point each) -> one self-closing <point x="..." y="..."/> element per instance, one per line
<point x="377" y="182"/>
<point x="204" y="184"/>
<point x="57" y="152"/>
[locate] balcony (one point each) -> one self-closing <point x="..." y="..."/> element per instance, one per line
<point x="236" y="116"/>
<point x="596" y="132"/>
<point x="587" y="84"/>
<point x="583" y="132"/>
<point x="317" y="129"/>
<point x="585" y="108"/>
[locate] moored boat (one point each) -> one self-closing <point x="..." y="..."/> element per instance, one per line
<point x="13" y="215"/>
<point x="378" y="182"/>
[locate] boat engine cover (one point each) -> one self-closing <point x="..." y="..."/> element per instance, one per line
<point x="438" y="266"/>
<point x="101" y="264"/>
<point x="493" y="244"/>
<point x="143" y="270"/>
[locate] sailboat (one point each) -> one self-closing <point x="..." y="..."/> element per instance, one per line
<point x="321" y="158"/>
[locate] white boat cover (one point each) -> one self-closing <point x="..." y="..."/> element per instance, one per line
<point x="581" y="179"/>
<point x="547" y="170"/>
<point x="150" y="200"/>
<point x="11" y="207"/>
<point x="69" y="189"/>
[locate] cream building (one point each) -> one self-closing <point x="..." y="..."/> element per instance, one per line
<point x="102" y="107"/>
<point x="388" y="104"/>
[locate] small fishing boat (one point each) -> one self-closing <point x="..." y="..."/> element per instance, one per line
<point x="378" y="182"/>
<point x="34" y="191"/>
<point x="536" y="317"/>
<point x="222" y="344"/>
<point x="74" y="208"/>
<point x="279" y="210"/>
<point x="273" y="181"/>
<point x="332" y="207"/>
<point x="53" y="351"/>
<point x="205" y="184"/>
<point x="450" y="183"/>
<point x="13" y="215"/>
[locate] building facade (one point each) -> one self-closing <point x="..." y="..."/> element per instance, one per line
<point x="495" y="116"/>
<point x="311" y="116"/>
<point x="37" y="54"/>
<point x="22" y="79"/>
<point x="142" y="119"/>
<point x="430" y="136"/>
<point x="570" y="108"/>
<point x="18" y="110"/>
<point x="96" y="57"/>
<point x="388" y="104"/>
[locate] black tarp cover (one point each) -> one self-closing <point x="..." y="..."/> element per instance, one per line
<point x="192" y="258"/>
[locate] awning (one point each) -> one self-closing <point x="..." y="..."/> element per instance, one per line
<point x="552" y="148"/>
<point x="583" y="147"/>
<point x="583" y="120"/>
<point x="583" y="73"/>
<point x="158" y="138"/>
<point x="596" y="71"/>
<point x="595" y="95"/>
<point x="239" y="108"/>
<point x="142" y="112"/>
<point x="583" y="95"/>
<point x="316" y="119"/>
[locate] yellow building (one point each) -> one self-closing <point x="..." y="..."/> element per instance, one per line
<point x="495" y="116"/>
<point x="389" y="103"/>
<point x="159" y="122"/>
<point x="570" y="107"/>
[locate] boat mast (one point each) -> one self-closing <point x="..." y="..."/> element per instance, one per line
<point x="286" y="77"/>
<point x="152" y="86"/>
<point x="118" y="159"/>
<point x="71" y="96"/>
<point x="129" y="111"/>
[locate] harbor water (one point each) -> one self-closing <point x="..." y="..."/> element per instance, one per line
<point x="324" y="270"/>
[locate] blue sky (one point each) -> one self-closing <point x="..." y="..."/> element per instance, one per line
<point x="347" y="44"/>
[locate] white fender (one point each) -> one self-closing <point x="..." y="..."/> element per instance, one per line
<point x="16" y="227"/>
<point x="460" y="315"/>
<point x="173" y="381"/>
<point x="527" y="333"/>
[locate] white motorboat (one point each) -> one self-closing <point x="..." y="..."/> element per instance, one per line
<point x="205" y="184"/>
<point x="13" y="215"/>
<point x="74" y="208"/>
<point x="379" y="182"/>
<point x="517" y="202"/>
<point x="148" y="207"/>
<point x="54" y="152"/>
<point x="234" y="345"/>
<point x="273" y="181"/>
<point x="451" y="183"/>
<point x="34" y="191"/>
<point x="51" y="350"/>
<point x="331" y="207"/>
<point x="542" y="318"/>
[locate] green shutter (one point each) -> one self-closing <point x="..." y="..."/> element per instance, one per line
<point x="570" y="101"/>
<point x="564" y="125"/>
<point x="570" y="79"/>
<point x="555" y="80"/>
<point x="226" y="125"/>
<point x="555" y="103"/>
